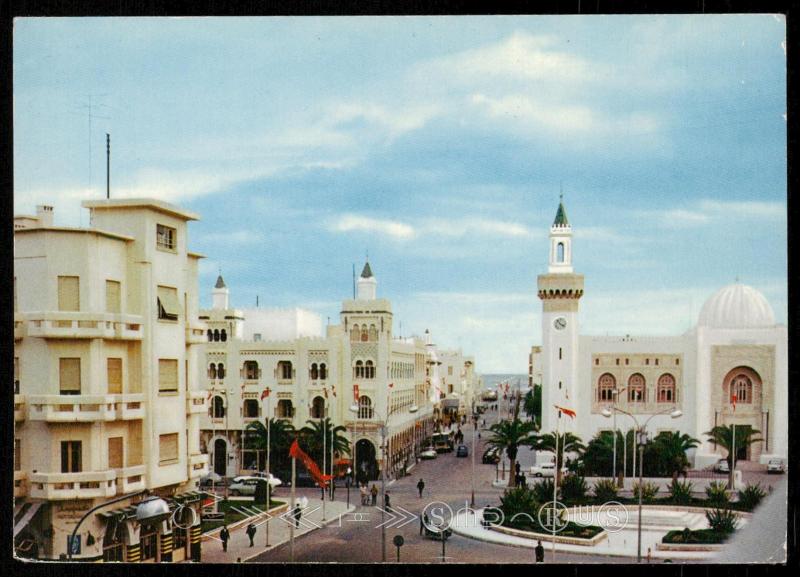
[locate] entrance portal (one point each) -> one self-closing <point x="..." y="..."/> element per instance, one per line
<point x="366" y="465"/>
<point x="220" y="457"/>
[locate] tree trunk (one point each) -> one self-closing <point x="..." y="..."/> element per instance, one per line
<point x="512" y="474"/>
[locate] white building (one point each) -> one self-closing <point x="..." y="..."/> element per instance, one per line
<point x="106" y="342"/>
<point x="736" y="347"/>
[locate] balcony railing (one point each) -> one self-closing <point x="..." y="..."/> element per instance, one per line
<point x="196" y="334"/>
<point x="69" y="486"/>
<point x="79" y="325"/>
<point x="198" y="465"/>
<point x="196" y="402"/>
<point x="85" y="408"/>
<point x="130" y="479"/>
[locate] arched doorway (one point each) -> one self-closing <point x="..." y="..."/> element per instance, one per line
<point x="743" y="386"/>
<point x="366" y="465"/>
<point x="220" y="456"/>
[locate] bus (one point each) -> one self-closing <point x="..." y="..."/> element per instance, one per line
<point x="443" y="442"/>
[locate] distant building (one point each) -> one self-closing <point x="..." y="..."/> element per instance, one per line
<point x="106" y="404"/>
<point x="535" y="366"/>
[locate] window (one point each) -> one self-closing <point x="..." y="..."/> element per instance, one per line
<point x="212" y="371"/>
<point x="636" y="388"/>
<point x="323" y="371"/>
<point x="114" y="375"/>
<point x="318" y="408"/>
<point x="251" y="371"/>
<point x="218" y="408"/>
<point x="17" y="454"/>
<point x="250" y="409"/>
<point x="597" y="362"/>
<point x="627" y="361"/>
<point x="69" y="293"/>
<point x="168" y="448"/>
<point x="167" y="301"/>
<point x="223" y="335"/>
<point x="166" y="237"/>
<point x="314" y="372"/>
<point x="560" y="252"/>
<point x="257" y="337"/>
<point x="285" y="409"/>
<point x="364" y="407"/>
<point x="69" y="375"/>
<point x="216" y="335"/>
<point x="373" y="333"/>
<point x="220" y="371"/>
<point x="167" y="375"/>
<point x="15" y="294"/>
<point x="605" y="387"/>
<point x="450" y="370"/>
<point x="560" y="353"/>
<point x="449" y="388"/>
<point x="666" y="388"/>
<point x="16" y="375"/>
<point x="677" y="362"/>
<point x="71" y="456"/>
<point x="210" y="334"/>
<point x="364" y="334"/>
<point x="656" y="362"/>
<point x="113" y="303"/>
<point x="115" y="453"/>
<point x="285" y="371"/>
<point x="647" y="361"/>
<point x="742" y="387"/>
<point x="369" y="370"/>
<point x="359" y="370"/>
<point x="354" y="333"/>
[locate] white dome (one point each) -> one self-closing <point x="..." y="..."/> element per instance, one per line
<point x="736" y="306"/>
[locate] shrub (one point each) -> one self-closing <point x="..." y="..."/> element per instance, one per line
<point x="518" y="500"/>
<point x="649" y="491"/>
<point x="543" y="490"/>
<point x="717" y="494"/>
<point x="751" y="496"/>
<point x="605" y="490"/>
<point x="722" y="520"/>
<point x="681" y="492"/>
<point x="573" y="488"/>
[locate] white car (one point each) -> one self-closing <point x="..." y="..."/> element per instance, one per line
<point x="273" y="480"/>
<point x="429" y="453"/>
<point x="546" y="470"/>
<point x="721" y="466"/>
<point x="775" y="466"/>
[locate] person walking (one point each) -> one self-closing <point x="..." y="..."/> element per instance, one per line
<point x="420" y="487"/>
<point x="423" y="522"/>
<point x="539" y="552"/>
<point x="224" y="535"/>
<point x="251" y="532"/>
<point x="363" y="490"/>
<point x="374" y="493"/>
<point x="386" y="502"/>
<point x="298" y="512"/>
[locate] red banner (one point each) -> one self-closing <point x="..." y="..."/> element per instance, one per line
<point x="297" y="453"/>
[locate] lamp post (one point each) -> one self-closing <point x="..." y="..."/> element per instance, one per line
<point x="474" y="434"/>
<point x="615" y="393"/>
<point x="354" y="408"/>
<point x="266" y="393"/>
<point x="641" y="439"/>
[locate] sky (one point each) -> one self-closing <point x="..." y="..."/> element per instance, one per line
<point x="436" y="145"/>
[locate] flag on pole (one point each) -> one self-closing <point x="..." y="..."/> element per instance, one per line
<point x="569" y="412"/>
<point x="265" y="393"/>
<point x="355" y="392"/>
<point x="325" y="392"/>
<point x="391" y="385"/>
<point x="733" y="401"/>
<point x="297" y="453"/>
<point x="210" y="394"/>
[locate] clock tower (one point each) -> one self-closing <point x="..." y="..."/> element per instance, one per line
<point x="560" y="290"/>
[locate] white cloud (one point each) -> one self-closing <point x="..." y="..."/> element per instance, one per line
<point x="359" y="223"/>
<point x="460" y="227"/>
<point x="708" y="211"/>
<point x="237" y="237"/>
<point x="394" y="122"/>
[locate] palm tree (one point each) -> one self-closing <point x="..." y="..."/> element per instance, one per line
<point x="567" y="443"/>
<point x="722" y="435"/>
<point x="533" y="404"/>
<point x="509" y="436"/>
<point x="312" y="435"/>
<point x="281" y="436"/>
<point x="672" y="447"/>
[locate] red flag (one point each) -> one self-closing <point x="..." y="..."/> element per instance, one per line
<point x="569" y="412"/>
<point x="210" y="394"/>
<point x="265" y="393"/>
<point x="355" y="392"/>
<point x="325" y="391"/>
<point x="297" y="453"/>
<point x="391" y="385"/>
<point x="733" y="401"/>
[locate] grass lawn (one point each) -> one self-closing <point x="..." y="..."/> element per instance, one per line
<point x="231" y="515"/>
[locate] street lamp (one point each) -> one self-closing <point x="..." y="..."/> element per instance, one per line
<point x="615" y="393"/>
<point x="265" y="394"/>
<point x="641" y="440"/>
<point x="474" y="434"/>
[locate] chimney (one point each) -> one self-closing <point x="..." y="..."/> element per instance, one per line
<point x="45" y="215"/>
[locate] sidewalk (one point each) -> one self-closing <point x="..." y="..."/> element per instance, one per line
<point x="239" y="543"/>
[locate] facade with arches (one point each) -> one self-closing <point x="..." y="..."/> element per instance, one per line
<point x="735" y="348"/>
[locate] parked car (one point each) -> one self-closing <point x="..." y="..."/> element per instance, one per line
<point x="546" y="470"/>
<point x="244" y="486"/>
<point x="428" y="453"/>
<point x="462" y="451"/>
<point x="214" y="479"/>
<point x="491" y="456"/>
<point x="302" y="478"/>
<point x="775" y="466"/>
<point x="721" y="466"/>
<point x="273" y="480"/>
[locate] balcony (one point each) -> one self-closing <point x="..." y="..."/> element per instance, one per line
<point x="20" y="487"/>
<point x="19" y="330"/>
<point x="70" y="486"/>
<point x="19" y="408"/>
<point x="196" y="334"/>
<point x="198" y="465"/>
<point x="130" y="479"/>
<point x="196" y="402"/>
<point x="79" y="325"/>
<point x="85" y="408"/>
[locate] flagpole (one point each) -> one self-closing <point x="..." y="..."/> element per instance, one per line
<point x="269" y="475"/>
<point x="555" y="485"/>
<point x="292" y="506"/>
<point x="324" y="436"/>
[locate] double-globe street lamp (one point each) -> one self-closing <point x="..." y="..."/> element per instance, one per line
<point x="641" y="440"/>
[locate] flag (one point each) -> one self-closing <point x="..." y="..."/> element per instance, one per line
<point x="569" y="412"/>
<point x="391" y="385"/>
<point x="355" y="392"/>
<point x="325" y="392"/>
<point x="297" y="453"/>
<point x="210" y="394"/>
<point x="733" y="401"/>
<point x="265" y="393"/>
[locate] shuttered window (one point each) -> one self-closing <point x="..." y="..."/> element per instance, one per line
<point x="71" y="456"/>
<point x="168" y="448"/>
<point x="115" y="455"/>
<point x="69" y="376"/>
<point x="168" y="307"/>
<point x="69" y="293"/>
<point x="114" y="372"/>
<point x="167" y="375"/>
<point x="16" y="375"/>
<point x="113" y="304"/>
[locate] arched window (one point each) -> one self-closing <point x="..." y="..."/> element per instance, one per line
<point x="359" y="370"/>
<point x="364" y="334"/>
<point x="285" y="370"/>
<point x="318" y="408"/>
<point x="355" y="334"/>
<point x="220" y="371"/>
<point x="369" y="370"/>
<point x="314" y="372"/>
<point x="323" y="371"/>
<point x="251" y="371"/>
<point x="560" y="252"/>
<point x="216" y="334"/>
<point x="666" y="388"/>
<point x="212" y="371"/>
<point x="210" y="335"/>
<point x="636" y="388"/>
<point x="223" y="335"/>
<point x="217" y="407"/>
<point x="742" y="387"/>
<point x="250" y="409"/>
<point x="285" y="409"/>
<point x="373" y="333"/>
<point x="364" y="407"/>
<point x="605" y="387"/>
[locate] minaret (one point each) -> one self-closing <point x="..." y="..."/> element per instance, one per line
<point x="219" y="295"/>
<point x="560" y="290"/>
<point x="367" y="285"/>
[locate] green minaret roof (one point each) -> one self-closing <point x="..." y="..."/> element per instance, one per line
<point x="367" y="272"/>
<point x="220" y="283"/>
<point x="561" y="216"/>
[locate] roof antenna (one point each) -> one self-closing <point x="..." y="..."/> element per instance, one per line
<point x="108" y="166"/>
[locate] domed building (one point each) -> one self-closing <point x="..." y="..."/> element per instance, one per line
<point x="736" y="350"/>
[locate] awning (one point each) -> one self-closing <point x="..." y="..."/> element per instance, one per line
<point x="168" y="299"/>
<point x="26" y="517"/>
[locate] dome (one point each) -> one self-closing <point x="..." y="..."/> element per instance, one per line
<point x="736" y="306"/>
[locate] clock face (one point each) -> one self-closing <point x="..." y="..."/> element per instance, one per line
<point x="560" y="323"/>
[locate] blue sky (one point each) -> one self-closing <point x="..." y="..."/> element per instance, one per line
<point x="439" y="145"/>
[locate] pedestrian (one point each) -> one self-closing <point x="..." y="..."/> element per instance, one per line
<point x="517" y="467"/>
<point x="224" y="535"/>
<point x="298" y="512"/>
<point x="363" y="491"/>
<point x="386" y="503"/>
<point x="374" y="493"/>
<point x="539" y="552"/>
<point x="420" y="487"/>
<point x="423" y="522"/>
<point x="251" y="532"/>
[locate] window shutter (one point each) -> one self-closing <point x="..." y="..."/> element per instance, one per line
<point x="115" y="460"/>
<point x="167" y="448"/>
<point x="114" y="370"/>
<point x="69" y="376"/>
<point x="68" y="293"/>
<point x="167" y="375"/>
<point x="113" y="296"/>
<point x="168" y="300"/>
